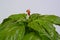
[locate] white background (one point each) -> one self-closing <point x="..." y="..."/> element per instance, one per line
<point x="9" y="7"/>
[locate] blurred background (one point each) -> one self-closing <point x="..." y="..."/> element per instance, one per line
<point x="9" y="7"/>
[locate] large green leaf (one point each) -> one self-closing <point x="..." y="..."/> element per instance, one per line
<point x="47" y="23"/>
<point x="5" y="23"/>
<point x="49" y="28"/>
<point x="45" y="28"/>
<point x="52" y="18"/>
<point x="18" y="16"/>
<point x="31" y="36"/>
<point x="14" y="31"/>
<point x="39" y="28"/>
<point x="12" y="28"/>
<point x="14" y="18"/>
